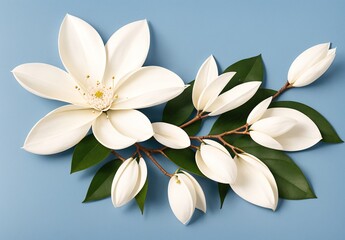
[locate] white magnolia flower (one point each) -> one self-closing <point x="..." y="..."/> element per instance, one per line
<point x="170" y="135"/>
<point x="185" y="194"/>
<point x="282" y="128"/>
<point x="128" y="181"/>
<point x="208" y="85"/>
<point x="310" y="65"/>
<point x="255" y="183"/>
<point x="104" y="85"/>
<point x="215" y="162"/>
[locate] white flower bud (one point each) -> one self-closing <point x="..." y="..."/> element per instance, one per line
<point x="128" y="181"/>
<point x="170" y="135"/>
<point x="215" y="162"/>
<point x="310" y="65"/>
<point x="185" y="194"/>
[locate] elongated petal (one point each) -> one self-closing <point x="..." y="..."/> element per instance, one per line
<point x="315" y="71"/>
<point x="200" y="196"/>
<point x="60" y="130"/>
<point x="258" y="111"/>
<point x="213" y="89"/>
<point x="274" y="126"/>
<point x="217" y="145"/>
<point x="107" y="134"/>
<point x="206" y="74"/>
<point x="81" y="50"/>
<point x="265" y="140"/>
<point x="170" y="135"/>
<point x="125" y="183"/>
<point x="49" y="82"/>
<point x="149" y="86"/>
<point x="182" y="197"/>
<point x="132" y="124"/>
<point x="306" y="60"/>
<point x="233" y="98"/>
<point x="127" y="50"/>
<point x="142" y="177"/>
<point x="221" y="166"/>
<point x="255" y="183"/>
<point x="302" y="136"/>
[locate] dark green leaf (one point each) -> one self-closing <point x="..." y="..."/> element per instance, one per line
<point x="328" y="133"/>
<point x="291" y="182"/>
<point x="100" y="186"/>
<point x="237" y="117"/>
<point x="194" y="128"/>
<point x="141" y="197"/>
<point x="222" y="190"/>
<point x="184" y="158"/>
<point x="250" y="69"/>
<point x="88" y="153"/>
<point x="179" y="109"/>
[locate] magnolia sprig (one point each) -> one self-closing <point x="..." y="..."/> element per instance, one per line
<point x="106" y="84"/>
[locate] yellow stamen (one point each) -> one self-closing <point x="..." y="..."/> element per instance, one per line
<point x="99" y="94"/>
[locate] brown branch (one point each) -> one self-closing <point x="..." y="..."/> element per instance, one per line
<point x="283" y="89"/>
<point x="118" y="155"/>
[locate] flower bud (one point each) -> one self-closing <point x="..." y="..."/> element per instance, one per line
<point x="310" y="65"/>
<point x="215" y="162"/>
<point x="170" y="135"/>
<point x="185" y="194"/>
<point x="128" y="181"/>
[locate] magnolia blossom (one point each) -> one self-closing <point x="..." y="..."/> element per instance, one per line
<point x="215" y="162"/>
<point x="170" y="135"/>
<point x="208" y="85"/>
<point x="128" y="181"/>
<point x="255" y="183"/>
<point x="282" y="128"/>
<point x="103" y="84"/>
<point x="185" y="194"/>
<point x="310" y="65"/>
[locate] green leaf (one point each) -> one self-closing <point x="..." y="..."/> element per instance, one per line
<point x="179" y="109"/>
<point x="88" y="152"/>
<point x="250" y="69"/>
<point x="100" y="186"/>
<point x="329" y="135"/>
<point x="184" y="158"/>
<point x="222" y="190"/>
<point x="237" y="117"/>
<point x="291" y="182"/>
<point x="194" y="128"/>
<point x="141" y="197"/>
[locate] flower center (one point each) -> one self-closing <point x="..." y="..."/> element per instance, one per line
<point x="100" y="97"/>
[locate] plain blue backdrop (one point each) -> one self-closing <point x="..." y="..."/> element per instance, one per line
<point x="39" y="199"/>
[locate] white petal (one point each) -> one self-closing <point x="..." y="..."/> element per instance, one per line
<point x="181" y="199"/>
<point x="265" y="140"/>
<point x="107" y="134"/>
<point x="258" y="111"/>
<point x="81" y="50"/>
<point x="127" y="50"/>
<point x="255" y="183"/>
<point x="274" y="126"/>
<point x="147" y="87"/>
<point x="60" y="130"/>
<point x="142" y="177"/>
<point x="306" y="60"/>
<point x="206" y="74"/>
<point x="315" y="71"/>
<point x="213" y="89"/>
<point x="302" y="136"/>
<point x="132" y="124"/>
<point x="125" y="183"/>
<point x="49" y="82"/>
<point x="217" y="145"/>
<point x="170" y="135"/>
<point x="221" y="166"/>
<point x="200" y="196"/>
<point x="233" y="98"/>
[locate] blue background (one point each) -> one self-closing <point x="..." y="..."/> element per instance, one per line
<point x="39" y="199"/>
